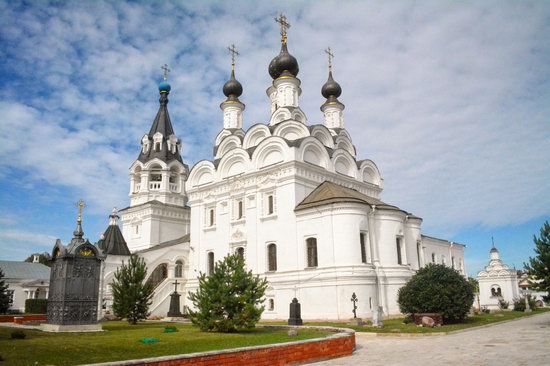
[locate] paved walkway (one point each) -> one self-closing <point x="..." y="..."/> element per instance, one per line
<point x="520" y="342"/>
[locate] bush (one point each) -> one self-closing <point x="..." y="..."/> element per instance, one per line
<point x="229" y="299"/>
<point x="519" y="303"/>
<point x="437" y="289"/>
<point x="503" y="304"/>
<point x="36" y="306"/>
<point x="18" y="334"/>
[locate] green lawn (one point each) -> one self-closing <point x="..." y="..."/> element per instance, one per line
<point x="397" y="326"/>
<point x="122" y="342"/>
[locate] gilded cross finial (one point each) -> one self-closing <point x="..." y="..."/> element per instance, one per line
<point x="233" y="51"/>
<point x="284" y="26"/>
<point x="328" y="51"/>
<point x="165" y="71"/>
<point x="80" y="205"/>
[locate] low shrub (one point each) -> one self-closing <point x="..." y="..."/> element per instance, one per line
<point x="18" y="334"/>
<point x="503" y="304"/>
<point x="519" y="303"/>
<point x="36" y="306"/>
<point x="408" y="319"/>
<point x="437" y="288"/>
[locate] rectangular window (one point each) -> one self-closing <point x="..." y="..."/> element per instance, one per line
<point x="433" y="257"/>
<point x="418" y="251"/>
<point x="362" y="237"/>
<point x="311" y="244"/>
<point x="211" y="217"/>
<point x="210" y="263"/>
<point x="270" y="206"/>
<point x="240" y="211"/>
<point x="398" y="244"/>
<point x="272" y="257"/>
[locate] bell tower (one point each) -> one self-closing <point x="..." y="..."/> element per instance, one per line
<point x="158" y="209"/>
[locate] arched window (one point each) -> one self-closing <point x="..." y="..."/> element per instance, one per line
<point x="240" y="252"/>
<point x="158" y="275"/>
<point x="433" y="257"/>
<point x="178" y="270"/>
<point x="210" y="263"/>
<point x="311" y="244"/>
<point x="453" y="262"/>
<point x="271" y="305"/>
<point x="272" y="257"/>
<point x="496" y="291"/>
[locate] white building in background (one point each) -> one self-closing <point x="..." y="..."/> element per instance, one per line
<point x="25" y="281"/>
<point x="497" y="282"/>
<point x="289" y="196"/>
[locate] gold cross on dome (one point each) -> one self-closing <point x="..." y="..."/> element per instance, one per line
<point x="233" y="52"/>
<point x="165" y="71"/>
<point x="284" y="26"/>
<point x="328" y="51"/>
<point x="80" y="205"/>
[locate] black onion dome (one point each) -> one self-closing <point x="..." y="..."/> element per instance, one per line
<point x="283" y="62"/>
<point x="331" y="88"/>
<point x="232" y="87"/>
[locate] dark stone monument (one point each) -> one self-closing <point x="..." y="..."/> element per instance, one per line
<point x="174" y="311"/>
<point x="295" y="313"/>
<point x="74" y="284"/>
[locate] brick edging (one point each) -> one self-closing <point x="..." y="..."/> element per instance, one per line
<point x="10" y="318"/>
<point x="339" y="344"/>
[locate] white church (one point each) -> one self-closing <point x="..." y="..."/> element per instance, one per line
<point x="290" y="196"/>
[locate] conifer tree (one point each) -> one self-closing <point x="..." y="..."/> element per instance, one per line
<point x="131" y="294"/>
<point x="539" y="267"/>
<point x="229" y="299"/>
<point x="4" y="298"/>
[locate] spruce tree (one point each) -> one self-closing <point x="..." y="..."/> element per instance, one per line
<point x="131" y="294"/>
<point x="539" y="267"/>
<point x="4" y="298"/>
<point x="228" y="300"/>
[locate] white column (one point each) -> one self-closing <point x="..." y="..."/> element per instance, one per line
<point x="165" y="184"/>
<point x="132" y="184"/>
<point x="144" y="181"/>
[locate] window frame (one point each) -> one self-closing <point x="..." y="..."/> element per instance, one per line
<point x="271" y="265"/>
<point x="312" y="261"/>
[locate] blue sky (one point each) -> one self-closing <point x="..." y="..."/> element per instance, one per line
<point x="450" y="99"/>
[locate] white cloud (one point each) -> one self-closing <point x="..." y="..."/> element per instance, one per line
<point x="449" y="99"/>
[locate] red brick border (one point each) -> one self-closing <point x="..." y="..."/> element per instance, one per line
<point x="26" y="318"/>
<point x="340" y="344"/>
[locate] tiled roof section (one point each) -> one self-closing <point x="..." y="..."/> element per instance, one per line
<point x="25" y="270"/>
<point x="445" y="240"/>
<point x="328" y="192"/>
<point x="163" y="125"/>
<point x="184" y="239"/>
<point x="113" y="242"/>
